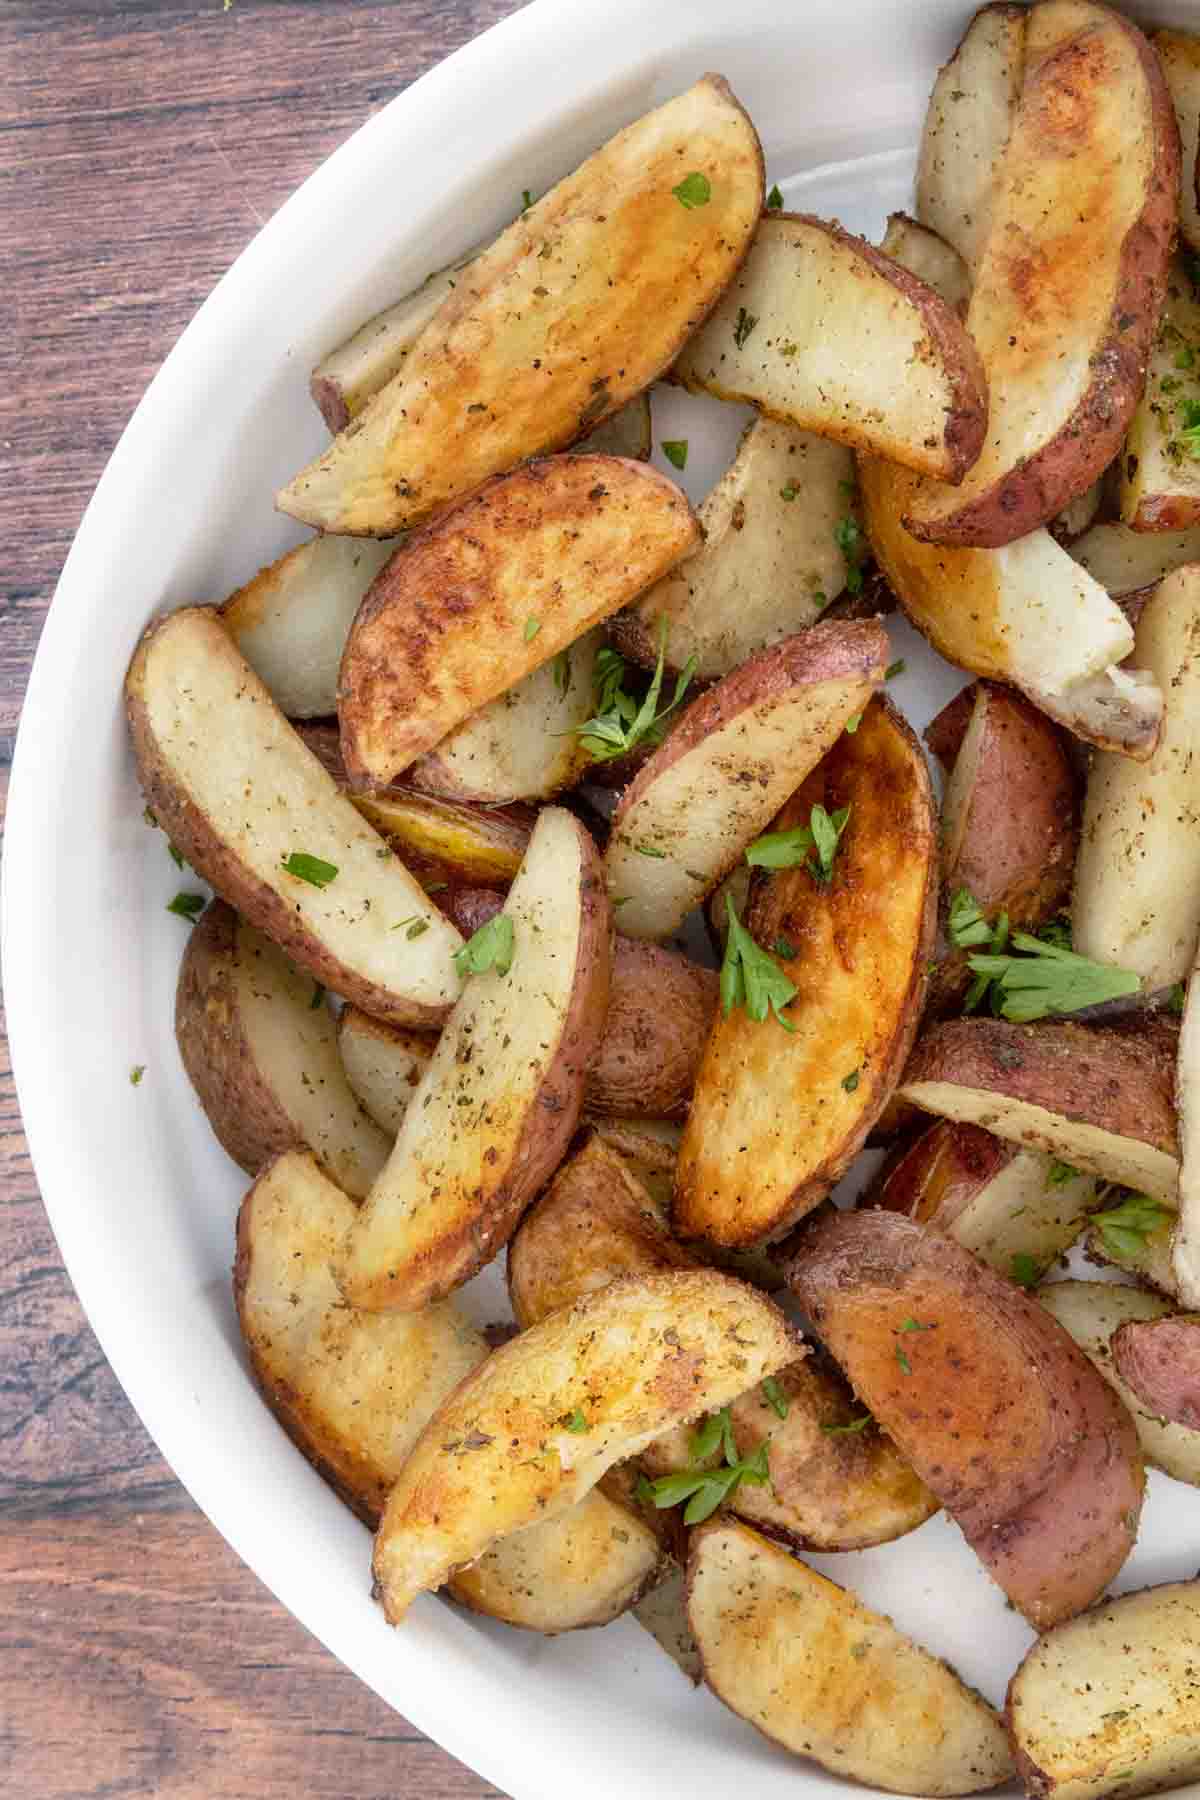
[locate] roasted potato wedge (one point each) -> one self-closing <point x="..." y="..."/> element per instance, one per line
<point x="990" y="1400"/>
<point x="1011" y="1208"/>
<point x="660" y="1010"/>
<point x="383" y="1064"/>
<point x="1179" y="54"/>
<point x="1158" y="1358"/>
<point x="1100" y="1100"/>
<point x="822" y="331"/>
<point x="932" y="259"/>
<point x="596" y="286"/>
<point x="1086" y="186"/>
<point x="1126" y="562"/>
<point x="260" y="1048"/>
<point x="1079" y="514"/>
<point x="777" y="1116"/>
<point x="291" y="622"/>
<point x="1098" y="1314"/>
<point x="353" y="1390"/>
<point x="1160" y="478"/>
<point x="736" y="754"/>
<point x="1109" y="1703"/>
<point x="1137" y="878"/>
<point x="967" y="126"/>
<point x="663" y="1613"/>
<point x="1027" y="614"/>
<point x="493" y="589"/>
<point x="633" y="1361"/>
<point x="650" y="1147"/>
<point x="204" y="731"/>
<point x="770" y="561"/>
<point x="499" y="1099"/>
<point x="820" y="1673"/>
<point x="1185" y="1248"/>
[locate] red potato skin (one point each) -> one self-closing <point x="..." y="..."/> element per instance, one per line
<point x="1160" y="1360"/>
<point x="1037" y="488"/>
<point x="934" y="1178"/>
<point x="944" y="733"/>
<point x="988" y="1399"/>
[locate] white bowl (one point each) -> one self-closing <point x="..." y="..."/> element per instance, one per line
<point x="141" y="1198"/>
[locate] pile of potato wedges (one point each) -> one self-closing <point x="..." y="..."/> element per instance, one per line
<point x="461" y="768"/>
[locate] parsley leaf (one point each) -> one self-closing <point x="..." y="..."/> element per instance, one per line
<point x="853" y="723"/>
<point x="675" y="450"/>
<point x="775" y="199"/>
<point x="850" y="1082"/>
<point x="827" y="829"/>
<point x="1124" y="1228"/>
<point x="1048" y="979"/>
<point x="532" y="627"/>
<point x="775" y="1397"/>
<point x="788" y="849"/>
<point x="318" y="995"/>
<point x="966" y="924"/>
<point x="314" y="869"/>
<point x="1177" y="998"/>
<point x="694" y="190"/>
<point x="491" y="947"/>
<point x="1060" y="1173"/>
<point x="848" y="536"/>
<point x="905" y="1365"/>
<point x="704" y="1489"/>
<point x="577" y="1421"/>
<point x="187" y="906"/>
<point x="620" y="724"/>
<point x="1025" y="1271"/>
<point x="746" y="321"/>
<point x="562" y="671"/>
<point x="526" y="200"/>
<point x="136" y="1073"/>
<point x="750" y="978"/>
<point x="894" y="669"/>
<point x="850" y="1428"/>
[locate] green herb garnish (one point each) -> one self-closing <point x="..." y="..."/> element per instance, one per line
<point x="491" y="947"/>
<point x="750" y="978"/>
<point x="788" y="849"/>
<point x="694" y="190"/>
<point x="704" y="1489"/>
<point x="966" y="925"/>
<point x="848" y="536"/>
<point x="1060" y="1173"/>
<point x="620" y="724"/>
<point x="789" y="492"/>
<point x="905" y="1365"/>
<point x="1047" y="979"/>
<point x="187" y="906"/>
<point x="314" y="869"/>
<point x="775" y="1397"/>
<point x="850" y="1428"/>
<point x="775" y="199"/>
<point x="675" y="450"/>
<point x="318" y="995"/>
<point x="532" y="627"/>
<point x="853" y="723"/>
<point x="1177" y="998"/>
<point x="850" y="1082"/>
<point x="1025" y="1271"/>
<point x="577" y="1421"/>
<point x="896" y="668"/>
<point x="562" y="671"/>
<point x="136" y="1073"/>
<point x="746" y="321"/>
<point x="1124" y="1228"/>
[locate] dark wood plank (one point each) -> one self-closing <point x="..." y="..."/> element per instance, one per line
<point x="145" y="141"/>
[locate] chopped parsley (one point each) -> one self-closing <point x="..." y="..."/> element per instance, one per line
<point x="1177" y="998"/>
<point x="750" y="978"/>
<point x="136" y="1073"/>
<point x="562" y="671"/>
<point x="532" y="627"/>
<point x="314" y="869"/>
<point x="1124" y="1228"/>
<point x="850" y="1082"/>
<point x="789" y="492"/>
<point x="318" y="995"/>
<point x="746" y="321"/>
<point x="848" y="536"/>
<point x="705" y="1489"/>
<point x="1025" y="1271"/>
<point x="775" y="199"/>
<point x="694" y="190"/>
<point x="966" y="925"/>
<point x="789" y="849"/>
<point x="905" y="1365"/>
<point x="417" y="928"/>
<point x="894" y="669"/>
<point x="175" y="855"/>
<point x="650" y="850"/>
<point x="1045" y="979"/>
<point x="620" y="724"/>
<point x="187" y="906"/>
<point x="850" y="1428"/>
<point x="1060" y="1173"/>
<point x="526" y="200"/>
<point x="491" y="947"/>
<point x="853" y="723"/>
<point x="775" y="1397"/>
<point x="576" y="1421"/>
<point x="675" y="450"/>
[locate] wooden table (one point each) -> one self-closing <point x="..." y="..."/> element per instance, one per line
<point x="146" y="142"/>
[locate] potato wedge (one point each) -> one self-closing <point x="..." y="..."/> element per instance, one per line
<point x="1137" y="878"/>
<point x="1156" y="1357"/>
<point x="1010" y="815"/>
<point x="777" y="1117"/>
<point x="1028" y="614"/>
<point x="1014" y="1209"/>
<point x="660" y="1010"/>
<point x="736" y="754"/>
<point x="663" y="1613"/>
<point x="932" y="259"/>
<point x="204" y="730"/>
<point x="492" y="590"/>
<point x="499" y="1099"/>
<point x="595" y="287"/>
<point x="815" y="1670"/>
<point x="990" y="1400"/>
<point x="260" y="1048"/>
<point x="353" y="1390"/>
<point x="1079" y="514"/>
<point x="383" y="1064"/>
<point x="769" y="562"/>
<point x="1098" y="1314"/>
<point x="822" y="331"/>
<point x="524" y="744"/>
<point x="967" y="126"/>
<point x="1109" y="1703"/>
<point x="291" y="622"/>
<point x="1160" y="477"/>
<point x="1126" y="561"/>
<point x="635" y="1360"/>
<point x="1071" y="276"/>
<point x="1098" y="1099"/>
<point x="1185" y="1248"/>
<point x="1179" y="54"/>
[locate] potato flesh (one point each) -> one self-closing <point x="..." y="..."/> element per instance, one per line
<point x="1124" y="561"/>
<point x="1137" y="876"/>
<point x="1160" y="477"/>
<point x="663" y="1613"/>
<point x="640" y="1357"/>
<point x="838" y="346"/>
<point x="477" y="846"/>
<point x="595" y="286"/>
<point x="1179" y="54"/>
<point x="240" y="793"/>
<point x="383" y="1064"/>
<point x="731" y="761"/>
<point x="1185" y="1250"/>
<point x="1111" y="1702"/>
<point x="820" y="1673"/>
<point x="503" y="1086"/>
<point x="967" y="126"/>
<point x="1158" y="1360"/>
<point x="933" y="259"/>
<point x="292" y="620"/>
<point x="769" y="564"/>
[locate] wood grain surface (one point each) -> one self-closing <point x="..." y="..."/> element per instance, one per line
<point x="145" y="142"/>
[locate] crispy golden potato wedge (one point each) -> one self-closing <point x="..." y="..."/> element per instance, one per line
<point x="242" y="798"/>
<point x="290" y="623"/>
<point x="1028" y="614"/>
<point x="1098" y="1314"/>
<point x="660" y="1009"/>
<point x="1179" y="54"/>
<point x="631" y="1362"/>
<point x="736" y="754"/>
<point x="383" y="1064"/>
<point x="1071" y="276"/>
<point x="1098" y="1099"/>
<point x="1127" y="562"/>
<point x="822" y="331"/>
<point x="1014" y="1209"/>
<point x="595" y="287"/>
<point x="967" y="126"/>
<point x="777" y="1116"/>
<point x="769" y="563"/>
<point x="820" y="1673"/>
<point x="353" y="1390"/>
<point x="1160" y="477"/>
<point x="492" y="590"/>
<point x="501" y="1095"/>
<point x="1184" y="1268"/>
<point x="932" y="259"/>
<point x="1137" y="879"/>
<point x="260" y="1047"/>
<point x="663" y="1613"/>
<point x="1109" y="1703"/>
<point x="1158" y="1358"/>
<point x="990" y="1400"/>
